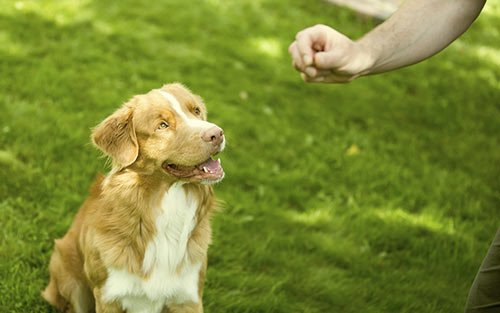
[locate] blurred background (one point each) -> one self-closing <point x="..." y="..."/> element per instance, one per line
<point x="377" y="196"/>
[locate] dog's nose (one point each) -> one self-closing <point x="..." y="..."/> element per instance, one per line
<point x="214" y="134"/>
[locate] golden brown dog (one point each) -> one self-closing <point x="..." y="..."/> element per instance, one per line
<point x="139" y="242"/>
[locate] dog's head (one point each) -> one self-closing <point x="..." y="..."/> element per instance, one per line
<point x="166" y="131"/>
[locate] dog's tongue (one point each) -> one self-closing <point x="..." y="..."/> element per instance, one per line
<point x="211" y="165"/>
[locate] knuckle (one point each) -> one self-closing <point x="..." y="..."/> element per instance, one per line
<point x="320" y="27"/>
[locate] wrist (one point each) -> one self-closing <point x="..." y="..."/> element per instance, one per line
<point x="367" y="54"/>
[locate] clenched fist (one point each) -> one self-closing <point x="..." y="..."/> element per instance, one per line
<point x="322" y="54"/>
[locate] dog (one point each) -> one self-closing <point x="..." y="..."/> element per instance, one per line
<point x="139" y="242"/>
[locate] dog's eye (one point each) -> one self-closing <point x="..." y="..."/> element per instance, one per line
<point x="163" y="125"/>
<point x="197" y="111"/>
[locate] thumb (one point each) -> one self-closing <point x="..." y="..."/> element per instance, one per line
<point x="327" y="60"/>
<point x="338" y="52"/>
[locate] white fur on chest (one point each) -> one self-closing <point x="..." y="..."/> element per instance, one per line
<point x="172" y="278"/>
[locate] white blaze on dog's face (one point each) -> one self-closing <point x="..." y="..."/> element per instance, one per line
<point x="165" y="129"/>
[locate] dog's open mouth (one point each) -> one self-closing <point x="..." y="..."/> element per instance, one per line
<point x="210" y="171"/>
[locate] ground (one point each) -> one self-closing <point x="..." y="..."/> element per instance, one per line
<point x="377" y="196"/>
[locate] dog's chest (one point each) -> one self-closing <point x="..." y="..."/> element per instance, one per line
<point x="172" y="278"/>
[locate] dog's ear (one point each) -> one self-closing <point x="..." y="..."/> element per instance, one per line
<point x="116" y="137"/>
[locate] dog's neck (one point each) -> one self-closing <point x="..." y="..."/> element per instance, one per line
<point x="131" y="199"/>
<point x="133" y="186"/>
<point x="135" y="201"/>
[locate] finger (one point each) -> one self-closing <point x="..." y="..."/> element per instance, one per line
<point x="309" y="41"/>
<point x="304" y="47"/>
<point x="337" y="53"/>
<point x="310" y="71"/>
<point x="332" y="78"/>
<point x="309" y="79"/>
<point x="318" y="47"/>
<point x="318" y="79"/>
<point x="291" y="47"/>
<point x="319" y="72"/>
<point x="329" y="60"/>
<point x="296" y="58"/>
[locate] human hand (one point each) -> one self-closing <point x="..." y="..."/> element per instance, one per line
<point x="324" y="55"/>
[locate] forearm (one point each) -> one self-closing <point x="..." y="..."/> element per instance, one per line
<point x="418" y="30"/>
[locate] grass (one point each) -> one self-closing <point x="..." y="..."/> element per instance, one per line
<point x="377" y="196"/>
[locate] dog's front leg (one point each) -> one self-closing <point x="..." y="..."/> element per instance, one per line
<point x="105" y="307"/>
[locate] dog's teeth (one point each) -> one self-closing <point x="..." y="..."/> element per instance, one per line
<point x="218" y="160"/>
<point x="205" y="169"/>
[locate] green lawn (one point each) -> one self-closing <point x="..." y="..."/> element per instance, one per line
<point x="377" y="196"/>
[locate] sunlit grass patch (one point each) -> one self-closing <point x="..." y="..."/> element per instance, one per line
<point x="424" y="220"/>
<point x="269" y="47"/>
<point x="60" y="12"/>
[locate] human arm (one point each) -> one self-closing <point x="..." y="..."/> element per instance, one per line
<point x="416" y="31"/>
